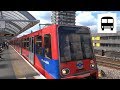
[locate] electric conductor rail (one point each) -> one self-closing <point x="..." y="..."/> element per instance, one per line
<point x="108" y="59"/>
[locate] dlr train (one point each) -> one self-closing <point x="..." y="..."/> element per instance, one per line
<point x="59" y="52"/>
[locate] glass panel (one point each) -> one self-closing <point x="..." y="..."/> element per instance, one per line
<point x="65" y="48"/>
<point x="74" y="44"/>
<point x="39" y="45"/>
<point x="47" y="46"/>
<point x="27" y="43"/>
<point x="86" y="43"/>
<point x="32" y="47"/>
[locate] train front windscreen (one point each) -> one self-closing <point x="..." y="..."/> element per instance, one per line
<point x="74" y="44"/>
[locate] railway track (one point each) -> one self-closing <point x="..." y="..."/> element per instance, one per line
<point x="109" y="67"/>
<point x="108" y="62"/>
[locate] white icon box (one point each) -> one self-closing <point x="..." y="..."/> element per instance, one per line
<point x="107" y="23"/>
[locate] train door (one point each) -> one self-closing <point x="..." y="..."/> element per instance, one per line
<point x="39" y="53"/>
<point x="31" y="48"/>
<point x="47" y="46"/>
<point x="49" y="63"/>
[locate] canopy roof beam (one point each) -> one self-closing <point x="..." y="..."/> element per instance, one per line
<point x="19" y="20"/>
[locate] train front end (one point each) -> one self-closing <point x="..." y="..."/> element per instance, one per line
<point x="76" y="56"/>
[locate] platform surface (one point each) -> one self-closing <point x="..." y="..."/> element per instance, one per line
<point x="13" y="66"/>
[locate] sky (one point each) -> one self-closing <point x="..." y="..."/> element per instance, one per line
<point x="83" y="18"/>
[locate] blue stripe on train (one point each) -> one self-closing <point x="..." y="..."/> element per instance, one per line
<point x="50" y="65"/>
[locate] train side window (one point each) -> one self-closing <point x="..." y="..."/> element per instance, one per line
<point x="23" y="43"/>
<point x="27" y="43"/>
<point x="20" y="43"/>
<point x="39" y="45"/>
<point x="47" y="46"/>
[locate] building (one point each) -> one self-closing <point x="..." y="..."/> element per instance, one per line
<point x="63" y="17"/>
<point x="108" y="42"/>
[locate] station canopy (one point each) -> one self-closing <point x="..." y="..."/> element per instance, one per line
<point x="15" y="22"/>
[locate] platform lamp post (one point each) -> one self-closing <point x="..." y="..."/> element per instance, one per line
<point x="39" y="26"/>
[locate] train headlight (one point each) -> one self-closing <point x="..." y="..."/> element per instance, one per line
<point x="65" y="71"/>
<point x="92" y="64"/>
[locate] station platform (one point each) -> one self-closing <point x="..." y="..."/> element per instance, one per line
<point x="14" y="66"/>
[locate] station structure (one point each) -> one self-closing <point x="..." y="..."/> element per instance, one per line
<point x="107" y="42"/>
<point x="12" y="64"/>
